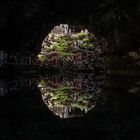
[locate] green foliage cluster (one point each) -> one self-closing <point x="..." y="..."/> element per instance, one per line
<point x="63" y="95"/>
<point x="64" y="44"/>
<point x="84" y="39"/>
<point x="67" y="45"/>
<point x="42" y="83"/>
<point x="42" y="58"/>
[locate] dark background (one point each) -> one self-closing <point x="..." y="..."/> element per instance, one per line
<point x="24" y="23"/>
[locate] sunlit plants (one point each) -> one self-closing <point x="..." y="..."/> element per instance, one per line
<point x="67" y="43"/>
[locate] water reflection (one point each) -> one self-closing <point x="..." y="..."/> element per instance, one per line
<point x="112" y="104"/>
<point x="13" y="86"/>
<point x="71" y="95"/>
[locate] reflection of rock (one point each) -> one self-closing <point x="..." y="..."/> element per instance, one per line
<point x="134" y="55"/>
<point x="134" y="90"/>
<point x="70" y="97"/>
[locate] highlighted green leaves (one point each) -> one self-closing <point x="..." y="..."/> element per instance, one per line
<point x="67" y="42"/>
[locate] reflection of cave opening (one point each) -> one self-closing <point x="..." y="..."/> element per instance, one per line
<point x="71" y="47"/>
<point x="68" y="96"/>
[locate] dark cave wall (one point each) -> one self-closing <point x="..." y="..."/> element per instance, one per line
<point x="24" y="24"/>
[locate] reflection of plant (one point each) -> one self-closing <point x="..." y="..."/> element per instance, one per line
<point x="82" y="105"/>
<point x="61" y="94"/>
<point x="42" y="83"/>
<point x="66" y="95"/>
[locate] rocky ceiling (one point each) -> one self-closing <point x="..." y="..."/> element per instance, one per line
<point x="24" y="23"/>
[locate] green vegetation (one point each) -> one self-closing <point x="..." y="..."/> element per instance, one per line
<point x="61" y="94"/>
<point x="42" y="83"/>
<point x="42" y="58"/>
<point x="66" y="44"/>
<point x="64" y="94"/>
<point x="81" y="105"/>
<point x="81" y="35"/>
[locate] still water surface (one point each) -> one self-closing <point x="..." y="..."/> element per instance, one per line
<point x="70" y="106"/>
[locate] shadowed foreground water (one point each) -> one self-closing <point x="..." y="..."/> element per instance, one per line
<point x="110" y="113"/>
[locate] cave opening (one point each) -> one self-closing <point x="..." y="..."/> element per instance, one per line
<point x="70" y="47"/>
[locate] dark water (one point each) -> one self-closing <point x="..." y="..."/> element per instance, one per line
<point x="111" y="112"/>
